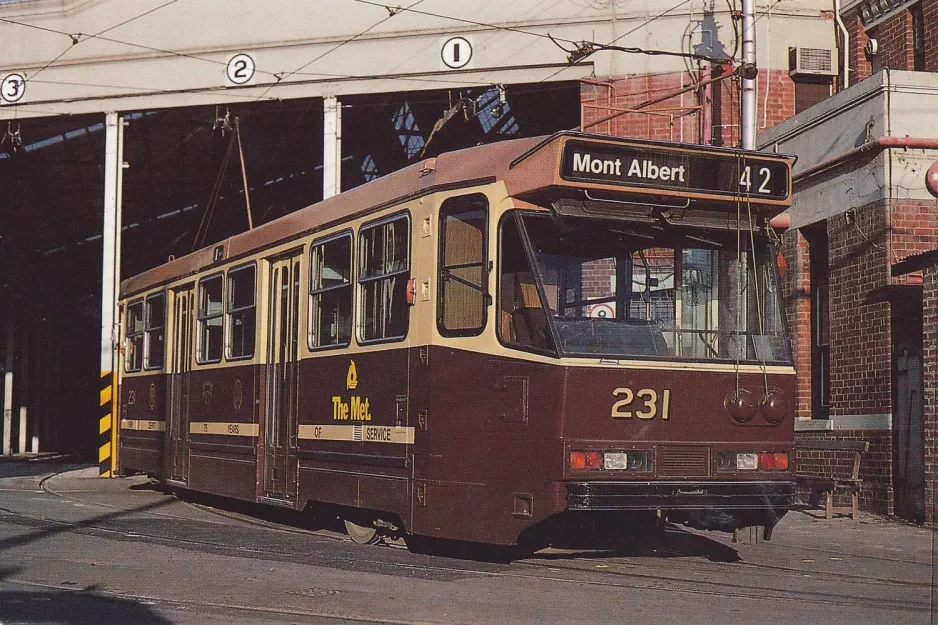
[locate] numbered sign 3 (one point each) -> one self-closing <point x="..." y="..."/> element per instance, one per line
<point x="240" y="69"/>
<point x="12" y="88"/>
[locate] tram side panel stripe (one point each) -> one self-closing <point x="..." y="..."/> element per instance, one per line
<point x="106" y="425"/>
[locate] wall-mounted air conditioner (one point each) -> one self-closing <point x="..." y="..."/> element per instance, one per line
<point x="811" y="62"/>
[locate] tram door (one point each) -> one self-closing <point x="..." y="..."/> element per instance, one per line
<point x="177" y="432"/>
<point x="280" y="429"/>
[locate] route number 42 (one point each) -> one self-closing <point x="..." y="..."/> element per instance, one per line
<point x="649" y="400"/>
<point x="763" y="178"/>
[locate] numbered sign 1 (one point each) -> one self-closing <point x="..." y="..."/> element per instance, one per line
<point x="456" y="52"/>
<point x="240" y="69"/>
<point x="12" y="88"/>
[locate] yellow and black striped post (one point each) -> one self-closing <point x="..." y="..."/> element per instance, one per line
<point x="107" y="439"/>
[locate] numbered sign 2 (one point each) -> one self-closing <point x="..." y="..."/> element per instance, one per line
<point x="240" y="69"/>
<point x="12" y="88"/>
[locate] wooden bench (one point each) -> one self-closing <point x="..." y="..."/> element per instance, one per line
<point x="828" y="485"/>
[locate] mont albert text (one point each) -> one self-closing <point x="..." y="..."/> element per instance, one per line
<point x="356" y="409"/>
<point x="645" y="169"/>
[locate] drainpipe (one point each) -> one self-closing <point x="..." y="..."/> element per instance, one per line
<point x="877" y="145"/>
<point x="845" y="50"/>
<point x="749" y="72"/>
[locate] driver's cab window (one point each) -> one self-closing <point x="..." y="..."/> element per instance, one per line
<point x="522" y="318"/>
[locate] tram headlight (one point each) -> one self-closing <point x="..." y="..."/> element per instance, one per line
<point x="640" y="460"/>
<point x="726" y="461"/>
<point x="615" y="461"/>
<point x="632" y="460"/>
<point x="730" y="461"/>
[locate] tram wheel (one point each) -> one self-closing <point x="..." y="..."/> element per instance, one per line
<point x="361" y="534"/>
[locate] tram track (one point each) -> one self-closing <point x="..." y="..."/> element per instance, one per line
<point x="623" y="576"/>
<point x="605" y="571"/>
<point x="216" y="605"/>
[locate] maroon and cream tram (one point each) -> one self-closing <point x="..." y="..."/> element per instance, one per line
<point x="482" y="344"/>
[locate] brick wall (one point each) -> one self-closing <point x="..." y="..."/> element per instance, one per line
<point x="930" y="15"/>
<point x="895" y="41"/>
<point x="796" y="294"/>
<point x="659" y="121"/>
<point x="930" y="385"/>
<point x="894" y="36"/>
<point x="914" y="229"/>
<point x="860" y="350"/>
<point x="859" y="64"/>
<point x="679" y="118"/>
<point x="876" y="494"/>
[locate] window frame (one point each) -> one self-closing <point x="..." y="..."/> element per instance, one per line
<point x="228" y="311"/>
<point x="201" y="318"/>
<point x="130" y="336"/>
<point x="361" y="282"/>
<point x="148" y="329"/>
<point x="350" y="285"/>
<point x="485" y="294"/>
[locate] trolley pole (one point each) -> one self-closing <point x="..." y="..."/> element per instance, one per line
<point x="110" y="283"/>
<point x="332" y="147"/>
<point x="749" y="73"/>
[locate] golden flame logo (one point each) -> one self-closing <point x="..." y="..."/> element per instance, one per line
<point x="351" y="381"/>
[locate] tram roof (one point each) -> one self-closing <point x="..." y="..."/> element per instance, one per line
<point x="526" y="166"/>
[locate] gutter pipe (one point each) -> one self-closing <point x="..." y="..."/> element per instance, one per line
<point x="845" y="50"/>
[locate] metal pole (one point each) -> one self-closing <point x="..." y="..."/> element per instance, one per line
<point x="110" y="281"/>
<point x="749" y="73"/>
<point x="8" y="378"/>
<point x="331" y="147"/>
<point x="23" y="387"/>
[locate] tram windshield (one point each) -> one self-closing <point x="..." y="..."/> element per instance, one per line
<point x="614" y="289"/>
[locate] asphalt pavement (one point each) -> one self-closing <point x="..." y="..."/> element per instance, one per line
<point x="78" y="549"/>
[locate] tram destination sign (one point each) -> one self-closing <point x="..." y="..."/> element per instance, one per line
<point x="678" y="169"/>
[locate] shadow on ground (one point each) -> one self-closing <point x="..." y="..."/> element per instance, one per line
<point x="81" y="606"/>
<point x="39" y="466"/>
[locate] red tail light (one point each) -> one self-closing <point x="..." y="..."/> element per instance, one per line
<point x="766" y="461"/>
<point x="594" y="460"/>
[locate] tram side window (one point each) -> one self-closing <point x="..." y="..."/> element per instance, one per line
<point x="242" y="312"/>
<point x="154" y="347"/>
<point x="210" y="320"/>
<point x="383" y="272"/>
<point x="462" y="302"/>
<point x="135" y="328"/>
<point x="330" y="292"/>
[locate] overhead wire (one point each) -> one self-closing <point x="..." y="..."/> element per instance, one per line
<point x="639" y="27"/>
<point x="76" y="38"/>
<point x="468" y="21"/>
<point x="391" y="14"/>
<point x="79" y="37"/>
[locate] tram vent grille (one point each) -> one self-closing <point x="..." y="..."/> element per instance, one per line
<point x="682" y="461"/>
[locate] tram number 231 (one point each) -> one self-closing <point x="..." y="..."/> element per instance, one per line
<point x="647" y="399"/>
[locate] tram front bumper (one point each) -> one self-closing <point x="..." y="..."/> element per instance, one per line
<point x="684" y="495"/>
